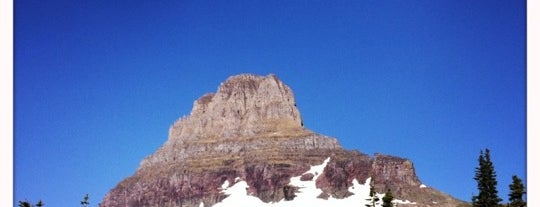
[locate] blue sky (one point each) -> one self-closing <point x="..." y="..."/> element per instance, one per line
<point x="98" y="83"/>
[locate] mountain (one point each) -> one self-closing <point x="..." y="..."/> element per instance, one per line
<point x="247" y="143"/>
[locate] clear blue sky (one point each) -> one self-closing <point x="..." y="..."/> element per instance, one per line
<point x="98" y="83"/>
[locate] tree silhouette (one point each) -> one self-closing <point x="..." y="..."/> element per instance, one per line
<point x="487" y="182"/>
<point x="516" y="193"/>
<point x="387" y="199"/>
<point x="24" y="204"/>
<point x="85" y="202"/>
<point x="373" y="198"/>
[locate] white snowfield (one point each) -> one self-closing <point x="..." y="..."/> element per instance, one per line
<point x="238" y="195"/>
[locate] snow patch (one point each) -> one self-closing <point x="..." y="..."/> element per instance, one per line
<point x="307" y="196"/>
<point x="238" y="194"/>
<point x="225" y="184"/>
<point x="407" y="202"/>
<point x="423" y="186"/>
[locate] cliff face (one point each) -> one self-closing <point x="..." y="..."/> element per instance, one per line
<point x="251" y="129"/>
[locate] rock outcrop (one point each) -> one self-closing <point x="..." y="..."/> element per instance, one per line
<point x="251" y="129"/>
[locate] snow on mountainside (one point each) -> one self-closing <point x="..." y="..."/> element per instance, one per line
<point x="307" y="195"/>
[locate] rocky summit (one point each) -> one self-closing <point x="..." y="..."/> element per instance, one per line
<point x="250" y="132"/>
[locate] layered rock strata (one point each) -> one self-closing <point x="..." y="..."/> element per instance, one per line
<point x="251" y="129"/>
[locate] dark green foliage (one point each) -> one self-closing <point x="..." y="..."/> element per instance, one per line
<point x="387" y="199"/>
<point x="27" y="203"/>
<point x="516" y="193"/>
<point x="487" y="182"/>
<point x="288" y="193"/>
<point x="85" y="202"/>
<point x="40" y="203"/>
<point x="24" y="204"/>
<point x="373" y="198"/>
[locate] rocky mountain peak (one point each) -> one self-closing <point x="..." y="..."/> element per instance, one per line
<point x="244" y="105"/>
<point x="247" y="114"/>
<point x="250" y="133"/>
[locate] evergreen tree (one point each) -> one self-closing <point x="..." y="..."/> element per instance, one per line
<point x="387" y="199"/>
<point x="516" y="193"/>
<point x="24" y="204"/>
<point x="373" y="198"/>
<point x="85" y="202"/>
<point x="40" y="203"/>
<point x="487" y="182"/>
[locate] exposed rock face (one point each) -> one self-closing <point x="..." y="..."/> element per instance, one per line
<point x="251" y="129"/>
